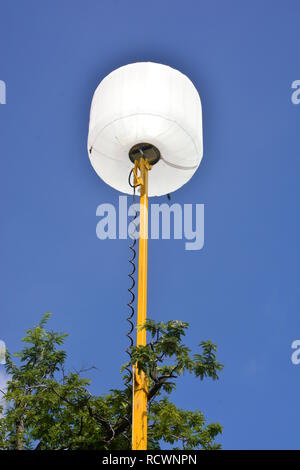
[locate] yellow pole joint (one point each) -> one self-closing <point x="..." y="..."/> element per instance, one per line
<point x="140" y="383"/>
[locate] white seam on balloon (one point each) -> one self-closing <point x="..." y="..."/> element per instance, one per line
<point x="179" y="167"/>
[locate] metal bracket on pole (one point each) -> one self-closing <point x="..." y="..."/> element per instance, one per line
<point x="142" y="165"/>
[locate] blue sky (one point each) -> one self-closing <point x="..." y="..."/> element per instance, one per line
<point x="242" y="289"/>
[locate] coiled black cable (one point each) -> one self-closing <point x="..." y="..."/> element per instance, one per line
<point x="128" y="368"/>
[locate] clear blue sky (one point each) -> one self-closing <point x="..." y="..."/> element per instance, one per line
<point x="242" y="289"/>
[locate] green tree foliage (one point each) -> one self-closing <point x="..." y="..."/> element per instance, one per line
<point x="43" y="407"/>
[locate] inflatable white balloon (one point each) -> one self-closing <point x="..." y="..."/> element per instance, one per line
<point x="140" y="104"/>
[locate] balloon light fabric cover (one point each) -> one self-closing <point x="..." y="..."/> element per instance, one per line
<point x="146" y="102"/>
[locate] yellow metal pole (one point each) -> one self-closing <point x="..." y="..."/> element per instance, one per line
<point x="140" y="386"/>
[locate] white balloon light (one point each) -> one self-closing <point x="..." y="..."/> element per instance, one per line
<point x="140" y="104"/>
<point x="145" y="132"/>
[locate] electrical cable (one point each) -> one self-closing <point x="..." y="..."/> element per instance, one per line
<point x="128" y="368"/>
